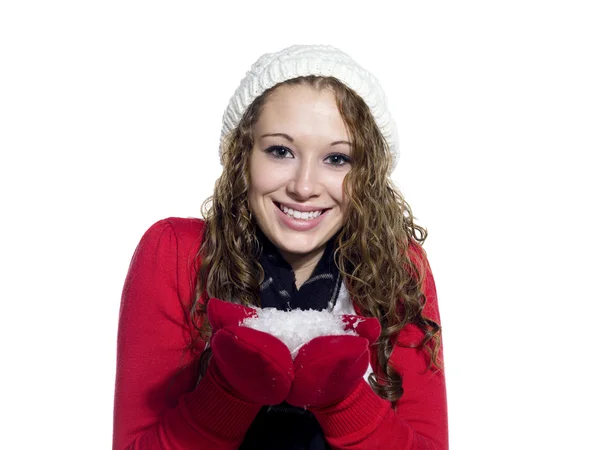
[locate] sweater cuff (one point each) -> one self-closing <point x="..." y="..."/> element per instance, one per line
<point x="215" y="410"/>
<point x="361" y="409"/>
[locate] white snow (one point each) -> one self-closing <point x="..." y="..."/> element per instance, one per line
<point x="295" y="328"/>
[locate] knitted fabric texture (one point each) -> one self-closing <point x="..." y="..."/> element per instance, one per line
<point x="278" y="290"/>
<point x="304" y="60"/>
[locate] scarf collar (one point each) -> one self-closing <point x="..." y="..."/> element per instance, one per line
<point x="278" y="290"/>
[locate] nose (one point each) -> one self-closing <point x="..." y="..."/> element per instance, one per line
<point x="305" y="181"/>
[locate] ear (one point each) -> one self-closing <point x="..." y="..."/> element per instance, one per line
<point x="224" y="314"/>
<point x="366" y="327"/>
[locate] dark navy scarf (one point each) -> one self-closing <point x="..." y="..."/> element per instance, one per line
<point x="286" y="427"/>
<point x="278" y="289"/>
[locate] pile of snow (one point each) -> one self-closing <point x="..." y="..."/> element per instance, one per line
<point x="295" y="328"/>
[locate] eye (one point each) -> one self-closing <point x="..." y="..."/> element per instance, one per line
<point x="338" y="159"/>
<point x="279" y="151"/>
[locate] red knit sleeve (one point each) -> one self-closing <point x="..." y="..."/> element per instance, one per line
<point x="156" y="406"/>
<point x="419" y="421"/>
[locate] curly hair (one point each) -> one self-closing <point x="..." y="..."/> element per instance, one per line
<point x="373" y="251"/>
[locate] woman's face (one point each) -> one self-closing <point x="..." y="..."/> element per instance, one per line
<point x="300" y="157"/>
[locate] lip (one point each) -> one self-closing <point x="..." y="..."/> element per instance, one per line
<point x="299" y="224"/>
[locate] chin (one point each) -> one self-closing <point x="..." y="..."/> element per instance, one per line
<point x="300" y="245"/>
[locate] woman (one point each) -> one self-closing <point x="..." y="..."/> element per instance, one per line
<point x="304" y="216"/>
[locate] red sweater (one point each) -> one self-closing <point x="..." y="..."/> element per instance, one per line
<point x="157" y="407"/>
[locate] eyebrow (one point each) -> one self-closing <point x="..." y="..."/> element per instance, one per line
<point x="290" y="139"/>
<point x="341" y="142"/>
<point x="283" y="135"/>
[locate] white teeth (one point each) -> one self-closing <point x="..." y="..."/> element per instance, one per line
<point x="300" y="215"/>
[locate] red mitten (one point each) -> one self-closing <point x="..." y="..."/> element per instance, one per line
<point x="328" y="368"/>
<point x="250" y="364"/>
<point x="223" y="314"/>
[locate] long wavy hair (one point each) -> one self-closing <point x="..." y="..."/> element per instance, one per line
<point x="372" y="250"/>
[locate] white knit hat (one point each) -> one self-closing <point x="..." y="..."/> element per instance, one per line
<point x="303" y="60"/>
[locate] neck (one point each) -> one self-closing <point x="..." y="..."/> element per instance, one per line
<point x="303" y="265"/>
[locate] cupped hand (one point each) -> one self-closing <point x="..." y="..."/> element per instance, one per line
<point x="253" y="365"/>
<point x="328" y="368"/>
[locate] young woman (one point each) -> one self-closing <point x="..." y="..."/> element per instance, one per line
<point x="303" y="217"/>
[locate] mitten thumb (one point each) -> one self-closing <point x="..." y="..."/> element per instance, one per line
<point x="223" y="314"/>
<point x="366" y="327"/>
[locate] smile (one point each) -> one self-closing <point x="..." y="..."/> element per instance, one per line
<point x="302" y="215"/>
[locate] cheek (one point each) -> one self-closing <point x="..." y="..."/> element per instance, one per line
<point x="337" y="192"/>
<point x="264" y="183"/>
<point x="254" y="187"/>
<point x="266" y="177"/>
<point x="264" y="180"/>
<point x="345" y="198"/>
<point x="258" y="177"/>
<point x="254" y="196"/>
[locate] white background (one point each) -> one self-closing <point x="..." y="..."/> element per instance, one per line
<point x="109" y="121"/>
